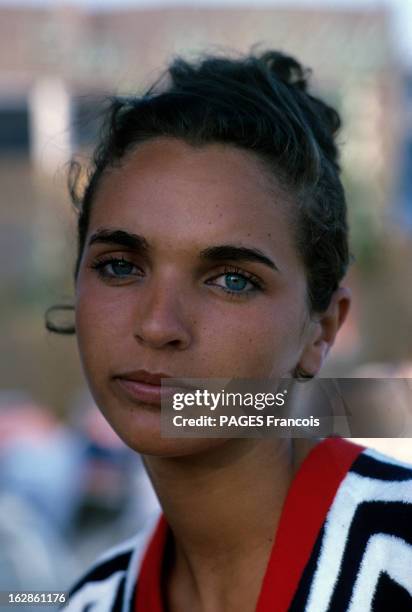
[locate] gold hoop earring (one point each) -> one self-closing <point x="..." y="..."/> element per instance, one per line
<point x="300" y="374"/>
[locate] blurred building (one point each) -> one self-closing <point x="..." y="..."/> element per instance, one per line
<point x="56" y="66"/>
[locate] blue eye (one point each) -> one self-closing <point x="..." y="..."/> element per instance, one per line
<point x="238" y="284"/>
<point x="235" y="282"/>
<point x="114" y="268"/>
<point x="121" y="267"/>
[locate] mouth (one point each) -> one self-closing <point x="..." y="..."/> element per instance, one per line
<point x="143" y="392"/>
<point x="146" y="387"/>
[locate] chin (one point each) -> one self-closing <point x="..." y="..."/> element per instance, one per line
<point x="138" y="425"/>
<point x="156" y="446"/>
<point x="139" y="428"/>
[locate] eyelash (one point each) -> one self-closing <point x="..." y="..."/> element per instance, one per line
<point x="257" y="284"/>
<point x="100" y="264"/>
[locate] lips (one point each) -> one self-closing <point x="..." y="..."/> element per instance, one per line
<point x="143" y="376"/>
<point x="145" y="386"/>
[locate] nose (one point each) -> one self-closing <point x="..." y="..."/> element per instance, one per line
<point x="160" y="319"/>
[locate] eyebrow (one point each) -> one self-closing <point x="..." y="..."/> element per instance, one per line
<point x="214" y="253"/>
<point x="237" y="253"/>
<point x="120" y="237"/>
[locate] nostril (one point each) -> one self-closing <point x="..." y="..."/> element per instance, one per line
<point x="175" y="343"/>
<point x="162" y="341"/>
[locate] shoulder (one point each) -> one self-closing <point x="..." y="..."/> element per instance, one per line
<point x="371" y="463"/>
<point x="375" y="477"/>
<point x="366" y="546"/>
<point x="374" y="500"/>
<point x="108" y="585"/>
<point x="362" y="558"/>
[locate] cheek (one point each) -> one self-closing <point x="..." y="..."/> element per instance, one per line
<point x="96" y="327"/>
<point x="254" y="342"/>
<point x="97" y="333"/>
<point x="99" y="311"/>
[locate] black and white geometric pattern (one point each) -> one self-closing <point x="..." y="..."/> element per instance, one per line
<point x="361" y="561"/>
<point x="108" y="586"/>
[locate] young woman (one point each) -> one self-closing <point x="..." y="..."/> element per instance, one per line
<point x="212" y="243"/>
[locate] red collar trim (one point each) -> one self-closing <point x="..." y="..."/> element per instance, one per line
<point x="316" y="484"/>
<point x="148" y="592"/>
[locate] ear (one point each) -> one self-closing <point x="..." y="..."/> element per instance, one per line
<point x="322" y="332"/>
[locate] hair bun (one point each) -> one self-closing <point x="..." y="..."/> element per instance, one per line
<point x="286" y="69"/>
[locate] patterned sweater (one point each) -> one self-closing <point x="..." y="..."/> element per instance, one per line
<point x="343" y="544"/>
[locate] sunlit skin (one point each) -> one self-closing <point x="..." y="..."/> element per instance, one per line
<point x="167" y="310"/>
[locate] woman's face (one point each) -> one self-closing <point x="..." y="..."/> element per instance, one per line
<point x="185" y="299"/>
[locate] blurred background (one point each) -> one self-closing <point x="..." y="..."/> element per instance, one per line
<point x="64" y="477"/>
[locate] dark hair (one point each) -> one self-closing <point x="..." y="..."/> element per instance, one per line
<point x="259" y="103"/>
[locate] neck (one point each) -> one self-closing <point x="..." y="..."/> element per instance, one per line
<point x="223" y="507"/>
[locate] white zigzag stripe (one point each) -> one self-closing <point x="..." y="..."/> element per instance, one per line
<point x="371" y="452"/>
<point x="101" y="594"/>
<point x="353" y="490"/>
<point x="384" y="553"/>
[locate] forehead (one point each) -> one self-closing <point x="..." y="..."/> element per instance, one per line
<point x="173" y="192"/>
